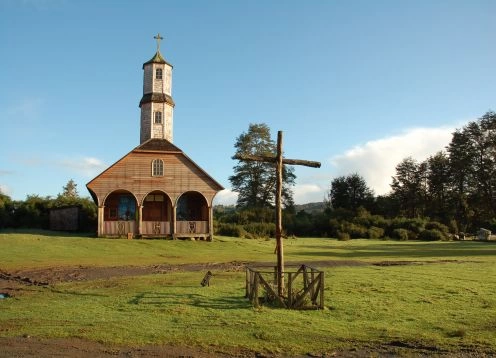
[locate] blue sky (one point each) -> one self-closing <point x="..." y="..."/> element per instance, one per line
<point x="357" y="85"/>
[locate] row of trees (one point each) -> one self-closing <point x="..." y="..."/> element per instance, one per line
<point x="457" y="184"/>
<point x="34" y="211"/>
<point x="450" y="192"/>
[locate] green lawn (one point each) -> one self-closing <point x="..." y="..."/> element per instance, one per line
<point x="445" y="301"/>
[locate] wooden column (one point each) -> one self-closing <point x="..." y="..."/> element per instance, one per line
<point x="140" y="219"/>
<point x="211" y="223"/>
<point x="173" y="222"/>
<point x="280" y="249"/>
<point x="100" y="221"/>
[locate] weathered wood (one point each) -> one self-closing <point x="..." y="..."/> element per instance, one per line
<point x="279" y="161"/>
<point x="258" y="158"/>
<point x="270" y="290"/>
<point x="280" y="248"/>
<point x="299" y="300"/>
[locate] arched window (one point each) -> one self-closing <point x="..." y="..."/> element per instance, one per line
<point x="158" y="74"/>
<point x="158" y="117"/>
<point x="157" y="168"/>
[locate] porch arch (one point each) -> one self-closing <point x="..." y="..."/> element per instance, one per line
<point x="156" y="214"/>
<point x="119" y="213"/>
<point x="193" y="215"/>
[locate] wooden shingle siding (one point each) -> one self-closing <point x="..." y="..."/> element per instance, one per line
<point x="133" y="173"/>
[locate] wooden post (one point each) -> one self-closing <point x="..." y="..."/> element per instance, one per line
<point x="101" y="223"/>
<point x="280" y="249"/>
<point x="279" y="161"/>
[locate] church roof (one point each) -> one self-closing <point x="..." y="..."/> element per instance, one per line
<point x="157" y="145"/>
<point x="157" y="58"/>
<point x="157" y="97"/>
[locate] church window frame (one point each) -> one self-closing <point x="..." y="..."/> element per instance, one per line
<point x="157" y="117"/>
<point x="158" y="74"/>
<point x="157" y="168"/>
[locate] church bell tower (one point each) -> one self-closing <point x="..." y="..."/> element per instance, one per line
<point x="157" y="106"/>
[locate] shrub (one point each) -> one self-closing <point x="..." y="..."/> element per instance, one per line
<point x="432" y="235"/>
<point x="434" y="225"/>
<point x="414" y="225"/>
<point x="233" y="230"/>
<point x="354" y="230"/>
<point x="343" y="236"/>
<point x="375" y="232"/>
<point x="400" y="234"/>
<point x="260" y="230"/>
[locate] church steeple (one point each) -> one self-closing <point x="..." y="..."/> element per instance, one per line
<point x="157" y="105"/>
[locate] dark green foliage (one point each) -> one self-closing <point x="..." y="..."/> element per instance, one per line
<point x="432" y="235"/>
<point x="375" y="232"/>
<point x="343" y="236"/>
<point x="434" y="225"/>
<point x="255" y="181"/>
<point x="261" y="230"/>
<point x="233" y="230"/>
<point x="34" y="211"/>
<point x="400" y="234"/>
<point x="350" y="192"/>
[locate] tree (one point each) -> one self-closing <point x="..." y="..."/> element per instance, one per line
<point x="472" y="156"/>
<point x="350" y="192"/>
<point x="69" y="195"/>
<point x="255" y="181"/>
<point x="438" y="182"/>
<point x="5" y="210"/>
<point x="409" y="187"/>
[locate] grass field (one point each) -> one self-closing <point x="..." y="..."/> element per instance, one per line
<point x="444" y="301"/>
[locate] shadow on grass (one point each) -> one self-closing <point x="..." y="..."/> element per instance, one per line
<point x="75" y="293"/>
<point x="406" y="250"/>
<point x="190" y="299"/>
<point x="48" y="233"/>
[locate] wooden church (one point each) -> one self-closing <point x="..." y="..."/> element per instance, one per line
<point x="155" y="190"/>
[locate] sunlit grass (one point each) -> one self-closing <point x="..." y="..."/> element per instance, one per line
<point x="444" y="301"/>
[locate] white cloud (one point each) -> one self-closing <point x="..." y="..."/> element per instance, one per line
<point x="226" y="197"/>
<point x="308" y="193"/>
<point x="5" y="189"/>
<point x="376" y="160"/>
<point x="86" y="166"/>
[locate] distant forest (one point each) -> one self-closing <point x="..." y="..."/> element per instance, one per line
<point x="450" y="194"/>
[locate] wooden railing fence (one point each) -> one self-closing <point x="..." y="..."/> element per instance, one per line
<point x="304" y="288"/>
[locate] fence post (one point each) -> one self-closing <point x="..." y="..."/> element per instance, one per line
<point x="255" y="293"/>
<point x="321" y="290"/>
<point x="290" y="290"/>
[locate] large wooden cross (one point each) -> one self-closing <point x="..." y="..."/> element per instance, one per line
<point x="280" y="161"/>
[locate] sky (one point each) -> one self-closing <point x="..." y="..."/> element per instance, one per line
<point x="357" y="85"/>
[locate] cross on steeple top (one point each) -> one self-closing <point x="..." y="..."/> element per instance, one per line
<point x="158" y="38"/>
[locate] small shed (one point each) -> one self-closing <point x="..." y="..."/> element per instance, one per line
<point x="67" y="218"/>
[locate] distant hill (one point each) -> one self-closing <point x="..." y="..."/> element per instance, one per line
<point x="311" y="208"/>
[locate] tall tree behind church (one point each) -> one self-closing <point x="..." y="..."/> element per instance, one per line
<point x="255" y="181"/>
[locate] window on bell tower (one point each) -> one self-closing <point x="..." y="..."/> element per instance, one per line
<point x="158" y="74"/>
<point x="157" y="118"/>
<point x="157" y="167"/>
